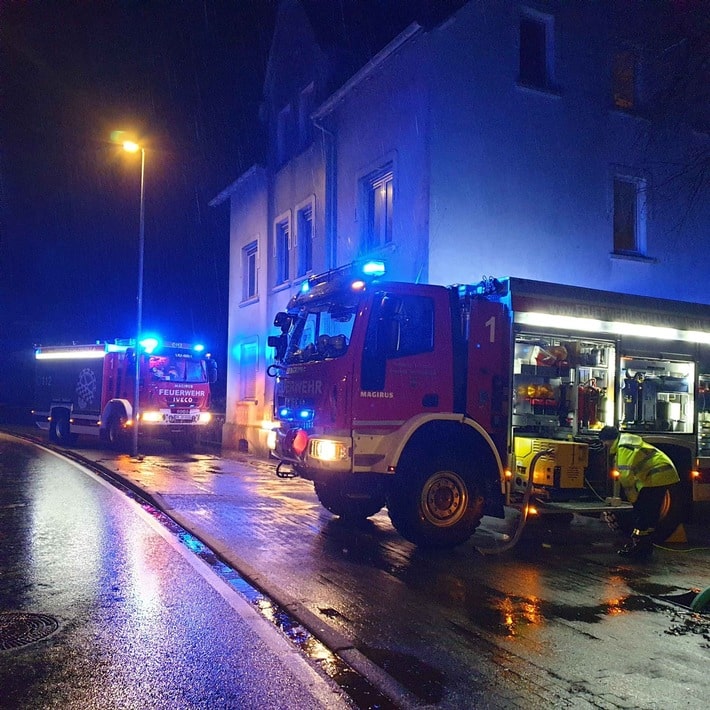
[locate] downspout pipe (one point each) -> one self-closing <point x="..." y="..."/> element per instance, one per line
<point x="331" y="194"/>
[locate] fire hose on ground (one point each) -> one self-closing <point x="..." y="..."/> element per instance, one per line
<point x="513" y="541"/>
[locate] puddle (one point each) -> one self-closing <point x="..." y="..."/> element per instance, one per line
<point x="504" y="615"/>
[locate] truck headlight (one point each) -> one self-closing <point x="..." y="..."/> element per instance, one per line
<point x="328" y="450"/>
<point x="205" y="417"/>
<point x="151" y="416"/>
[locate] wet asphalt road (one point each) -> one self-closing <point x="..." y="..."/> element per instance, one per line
<point x="557" y="622"/>
<point x="129" y="620"/>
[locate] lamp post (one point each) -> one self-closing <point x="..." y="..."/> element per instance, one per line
<point x="132" y="147"/>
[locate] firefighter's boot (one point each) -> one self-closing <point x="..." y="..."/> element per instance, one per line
<point x="640" y="547"/>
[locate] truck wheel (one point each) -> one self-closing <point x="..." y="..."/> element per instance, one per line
<point x="114" y="434"/>
<point x="59" y="430"/>
<point x="435" y="503"/>
<point x="354" y="506"/>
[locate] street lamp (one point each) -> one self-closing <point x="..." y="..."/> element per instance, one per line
<point x="132" y="147"/>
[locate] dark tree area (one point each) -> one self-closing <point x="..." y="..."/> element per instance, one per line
<point x="669" y="43"/>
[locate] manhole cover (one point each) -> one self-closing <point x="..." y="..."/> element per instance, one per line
<point x="19" y="629"/>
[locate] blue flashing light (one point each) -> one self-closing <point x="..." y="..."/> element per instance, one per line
<point x="289" y="415"/>
<point x="199" y="348"/>
<point x="305" y="287"/>
<point x="149" y="344"/>
<point x="373" y="268"/>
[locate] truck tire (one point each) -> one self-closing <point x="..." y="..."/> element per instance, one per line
<point x="674" y="511"/>
<point x="114" y="433"/>
<point x="436" y="502"/>
<point x="353" y="506"/>
<point x="60" y="430"/>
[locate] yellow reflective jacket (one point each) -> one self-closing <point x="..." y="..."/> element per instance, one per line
<point x="641" y="465"/>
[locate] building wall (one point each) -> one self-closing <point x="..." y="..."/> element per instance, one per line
<point x="521" y="179"/>
<point x="247" y="316"/>
<point x="383" y="121"/>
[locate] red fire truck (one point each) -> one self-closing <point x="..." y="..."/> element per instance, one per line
<point x="90" y="389"/>
<point x="449" y="403"/>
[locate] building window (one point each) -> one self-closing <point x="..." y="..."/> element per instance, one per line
<point x="283" y="134"/>
<point x="304" y="234"/>
<point x="305" y="108"/>
<point x="248" y="365"/>
<point x="629" y="216"/>
<point x="250" y="264"/>
<point x="536" y="51"/>
<point x="623" y="79"/>
<point x="282" y="246"/>
<point x="379" y="203"/>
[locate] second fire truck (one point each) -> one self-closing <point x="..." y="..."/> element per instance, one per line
<point x="446" y="404"/>
<point x="90" y="390"/>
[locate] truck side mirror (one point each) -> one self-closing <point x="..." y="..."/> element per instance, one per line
<point x="279" y="343"/>
<point x="283" y="321"/>
<point x="211" y="371"/>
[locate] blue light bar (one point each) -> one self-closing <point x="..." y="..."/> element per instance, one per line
<point x="373" y="268"/>
<point x="149" y="344"/>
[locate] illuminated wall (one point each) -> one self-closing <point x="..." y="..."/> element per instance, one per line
<point x="521" y="179"/>
<point x="248" y="223"/>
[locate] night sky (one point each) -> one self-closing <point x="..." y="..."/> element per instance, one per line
<point x="186" y="78"/>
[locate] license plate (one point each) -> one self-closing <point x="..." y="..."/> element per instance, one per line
<point x="175" y="418"/>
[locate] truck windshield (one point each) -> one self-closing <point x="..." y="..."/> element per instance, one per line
<point x="321" y="331"/>
<point x="173" y="368"/>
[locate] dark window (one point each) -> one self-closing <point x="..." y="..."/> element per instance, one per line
<point x="534" y="52"/>
<point x="379" y="205"/>
<point x="248" y="361"/>
<point x="626" y="222"/>
<point x="305" y="240"/>
<point x="399" y="326"/>
<point x="402" y="325"/>
<point x="282" y="243"/>
<point x="250" y="256"/>
<point x="624" y="80"/>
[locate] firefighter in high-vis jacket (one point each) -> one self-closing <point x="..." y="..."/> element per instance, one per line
<point x="645" y="474"/>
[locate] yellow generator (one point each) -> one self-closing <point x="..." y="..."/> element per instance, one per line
<point x="562" y="469"/>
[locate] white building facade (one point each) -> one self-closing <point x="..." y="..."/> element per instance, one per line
<point x="504" y="139"/>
